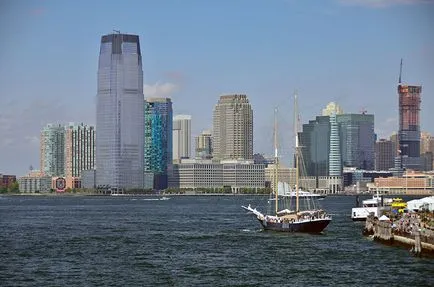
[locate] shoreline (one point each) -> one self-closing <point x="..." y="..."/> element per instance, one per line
<point x="184" y="194"/>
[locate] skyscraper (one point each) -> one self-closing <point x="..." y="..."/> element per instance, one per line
<point x="409" y="128"/>
<point x="357" y="140"/>
<point x="384" y="154"/>
<point x="335" y="166"/>
<point x="119" y="119"/>
<point x="79" y="149"/>
<point x="204" y="145"/>
<point x="181" y="137"/>
<point x="315" y="146"/>
<point x="158" y="118"/>
<point x="53" y="150"/>
<point x="233" y="128"/>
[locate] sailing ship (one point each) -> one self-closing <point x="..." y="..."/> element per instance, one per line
<point x="286" y="218"/>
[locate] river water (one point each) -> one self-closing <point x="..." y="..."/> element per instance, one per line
<point x="187" y="241"/>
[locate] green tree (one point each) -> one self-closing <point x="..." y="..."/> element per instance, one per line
<point x="14" y="187"/>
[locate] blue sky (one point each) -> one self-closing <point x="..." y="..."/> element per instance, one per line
<point x="346" y="51"/>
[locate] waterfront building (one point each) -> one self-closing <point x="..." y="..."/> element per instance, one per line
<point x="196" y="173"/>
<point x="233" y="128"/>
<point x="410" y="183"/>
<point x="7" y="180"/>
<point x="181" y="137"/>
<point x="204" y="145"/>
<point x="79" y="149"/>
<point x="284" y="174"/>
<point x="409" y="126"/>
<point x="211" y="174"/>
<point x="158" y="116"/>
<point x="238" y="174"/>
<point x="52" y="150"/>
<point x="34" y="183"/>
<point x="357" y="137"/>
<point x="357" y="179"/>
<point x="384" y="154"/>
<point x="119" y="119"/>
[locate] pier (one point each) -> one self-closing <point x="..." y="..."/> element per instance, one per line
<point x="408" y="231"/>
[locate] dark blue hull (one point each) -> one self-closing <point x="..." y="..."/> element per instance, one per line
<point x="313" y="226"/>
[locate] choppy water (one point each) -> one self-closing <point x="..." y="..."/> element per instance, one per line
<point x="187" y="241"/>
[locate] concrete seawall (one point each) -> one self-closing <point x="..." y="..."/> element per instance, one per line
<point x="382" y="231"/>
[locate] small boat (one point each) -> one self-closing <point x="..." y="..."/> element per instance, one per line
<point x="372" y="205"/>
<point x="286" y="217"/>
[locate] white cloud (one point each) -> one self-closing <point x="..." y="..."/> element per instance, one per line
<point x="382" y="3"/>
<point x="158" y="90"/>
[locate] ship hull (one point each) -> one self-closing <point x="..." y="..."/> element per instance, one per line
<point x="308" y="226"/>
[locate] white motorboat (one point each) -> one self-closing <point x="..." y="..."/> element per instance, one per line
<point x="372" y="205"/>
<point x="285" y="190"/>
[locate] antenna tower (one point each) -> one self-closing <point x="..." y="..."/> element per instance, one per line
<point x="400" y="72"/>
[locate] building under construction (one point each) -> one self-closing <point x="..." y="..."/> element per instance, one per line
<point x="409" y="125"/>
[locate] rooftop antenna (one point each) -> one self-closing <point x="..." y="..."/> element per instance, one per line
<point x="119" y="31"/>
<point x="400" y="72"/>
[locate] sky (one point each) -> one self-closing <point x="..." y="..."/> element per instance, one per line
<point x="347" y="51"/>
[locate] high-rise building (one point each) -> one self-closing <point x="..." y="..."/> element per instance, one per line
<point x="319" y="140"/>
<point x="79" y="149"/>
<point x="119" y="119"/>
<point x="335" y="166"/>
<point x="357" y="140"/>
<point x="158" y="141"/>
<point x="427" y="151"/>
<point x="204" y="145"/>
<point x="52" y="150"/>
<point x="409" y="127"/>
<point x="426" y="141"/>
<point x="315" y="146"/>
<point x="233" y="128"/>
<point x="181" y="137"/>
<point x="395" y="143"/>
<point x="384" y="154"/>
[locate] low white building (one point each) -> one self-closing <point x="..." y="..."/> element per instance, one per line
<point x="34" y="184"/>
<point x="207" y="173"/>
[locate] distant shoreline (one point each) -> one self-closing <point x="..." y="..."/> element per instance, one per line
<point x="64" y="194"/>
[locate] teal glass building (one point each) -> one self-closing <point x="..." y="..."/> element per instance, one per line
<point x="157" y="141"/>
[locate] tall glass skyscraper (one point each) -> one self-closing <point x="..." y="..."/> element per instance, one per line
<point x="315" y="146"/>
<point x="356" y="132"/>
<point x="158" y="141"/>
<point x="119" y="120"/>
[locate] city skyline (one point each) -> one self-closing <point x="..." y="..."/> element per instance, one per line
<point x="340" y="51"/>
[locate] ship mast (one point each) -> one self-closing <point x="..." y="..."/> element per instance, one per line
<point x="296" y="151"/>
<point x="276" y="163"/>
